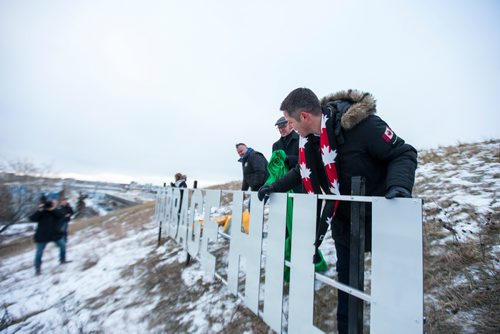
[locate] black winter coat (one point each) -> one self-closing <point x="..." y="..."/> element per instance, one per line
<point x="66" y="210"/>
<point x="254" y="170"/>
<point x="181" y="183"/>
<point x="49" y="225"/>
<point x="290" y="144"/>
<point x="366" y="147"/>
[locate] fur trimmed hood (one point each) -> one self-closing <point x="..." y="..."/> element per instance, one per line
<point x="361" y="106"/>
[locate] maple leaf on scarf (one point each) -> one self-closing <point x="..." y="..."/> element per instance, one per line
<point x="302" y="142"/>
<point x="329" y="220"/>
<point x="304" y="171"/>
<point x="324" y="119"/>
<point x="328" y="155"/>
<point x="335" y="187"/>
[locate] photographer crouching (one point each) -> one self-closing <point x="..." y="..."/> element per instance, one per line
<point x="47" y="230"/>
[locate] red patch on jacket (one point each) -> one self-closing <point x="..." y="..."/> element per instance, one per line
<point x="388" y="134"/>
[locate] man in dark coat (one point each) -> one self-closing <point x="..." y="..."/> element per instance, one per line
<point x="67" y="211"/>
<point x="48" y="229"/>
<point x="341" y="137"/>
<point x="180" y="182"/>
<point x="288" y="142"/>
<point x="254" y="166"/>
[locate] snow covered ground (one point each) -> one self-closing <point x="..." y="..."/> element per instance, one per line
<point x="120" y="281"/>
<point x="63" y="298"/>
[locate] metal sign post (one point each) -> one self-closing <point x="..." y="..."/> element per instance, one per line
<point x="357" y="256"/>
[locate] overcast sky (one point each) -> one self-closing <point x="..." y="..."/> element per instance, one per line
<point x="139" y="90"/>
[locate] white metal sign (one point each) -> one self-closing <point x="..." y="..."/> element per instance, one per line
<point x="396" y="300"/>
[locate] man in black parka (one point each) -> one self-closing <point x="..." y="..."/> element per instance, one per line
<point x="49" y="229"/>
<point x="359" y="144"/>
<point x="288" y="142"/>
<point x="254" y="166"/>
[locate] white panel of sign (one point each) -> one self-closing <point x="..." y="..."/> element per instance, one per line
<point x="397" y="266"/>
<point x="181" y="236"/>
<point x="194" y="227"/>
<point x="275" y="255"/>
<point x="248" y="246"/>
<point x="301" y="300"/>
<point x="210" y="229"/>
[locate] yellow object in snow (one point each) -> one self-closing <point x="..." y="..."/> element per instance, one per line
<point x="227" y="219"/>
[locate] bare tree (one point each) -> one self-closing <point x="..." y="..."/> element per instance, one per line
<point x="6" y="212"/>
<point x="27" y="169"/>
<point x="20" y="192"/>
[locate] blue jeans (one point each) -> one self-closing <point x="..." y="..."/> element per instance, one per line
<point x="343" y="253"/>
<point x="64" y="229"/>
<point x="40" y="247"/>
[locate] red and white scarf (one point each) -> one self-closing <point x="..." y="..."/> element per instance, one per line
<point x="328" y="156"/>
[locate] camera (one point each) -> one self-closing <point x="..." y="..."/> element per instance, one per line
<point x="47" y="205"/>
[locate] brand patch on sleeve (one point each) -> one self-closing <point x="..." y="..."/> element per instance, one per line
<point x="388" y="134"/>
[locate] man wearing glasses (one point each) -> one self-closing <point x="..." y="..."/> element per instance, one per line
<point x="288" y="142"/>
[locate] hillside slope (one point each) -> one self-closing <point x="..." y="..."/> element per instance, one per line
<point x="120" y="281"/>
<point x="460" y="186"/>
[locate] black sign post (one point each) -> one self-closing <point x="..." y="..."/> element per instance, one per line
<point x="357" y="256"/>
<point x="159" y="230"/>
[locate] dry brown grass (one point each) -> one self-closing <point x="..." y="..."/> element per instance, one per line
<point x="461" y="276"/>
<point x="118" y="222"/>
<point x="429" y="156"/>
<point x="464" y="281"/>
<point x="232" y="185"/>
<point x="18" y="246"/>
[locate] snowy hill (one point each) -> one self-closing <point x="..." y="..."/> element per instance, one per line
<point x="460" y="186"/>
<point x="117" y="282"/>
<point x="120" y="281"/>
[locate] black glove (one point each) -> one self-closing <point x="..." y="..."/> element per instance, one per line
<point x="316" y="257"/>
<point x="264" y="191"/>
<point x="397" y="191"/>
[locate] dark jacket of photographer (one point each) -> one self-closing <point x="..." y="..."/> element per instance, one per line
<point x="49" y="225"/>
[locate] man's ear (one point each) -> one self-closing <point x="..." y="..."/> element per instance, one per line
<point x="304" y="115"/>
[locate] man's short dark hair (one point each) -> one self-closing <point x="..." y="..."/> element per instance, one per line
<point x="239" y="144"/>
<point x="301" y="99"/>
